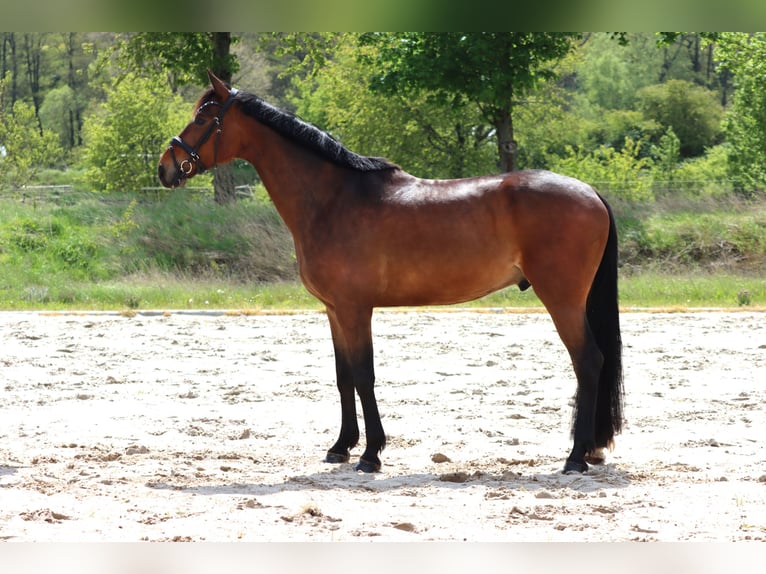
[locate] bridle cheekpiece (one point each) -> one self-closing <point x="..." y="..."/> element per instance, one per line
<point x="184" y="168"/>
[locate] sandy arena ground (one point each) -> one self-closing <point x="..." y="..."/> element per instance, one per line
<point x="213" y="428"/>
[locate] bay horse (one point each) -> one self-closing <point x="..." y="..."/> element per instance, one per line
<point x="368" y="234"/>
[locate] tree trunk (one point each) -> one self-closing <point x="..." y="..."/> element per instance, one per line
<point x="70" y="42"/>
<point x="223" y="178"/>
<point x="9" y="65"/>
<point x="33" y="54"/>
<point x="507" y="147"/>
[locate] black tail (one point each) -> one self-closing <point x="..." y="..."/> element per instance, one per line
<point x="604" y="319"/>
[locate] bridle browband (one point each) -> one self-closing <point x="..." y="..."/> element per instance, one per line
<point x="184" y="168"/>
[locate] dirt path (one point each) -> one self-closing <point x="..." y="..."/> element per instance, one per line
<point x="193" y="427"/>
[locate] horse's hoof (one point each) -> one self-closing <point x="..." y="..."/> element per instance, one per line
<point x="336" y="458"/>
<point x="574" y="466"/>
<point x="596" y="456"/>
<point x="367" y="466"/>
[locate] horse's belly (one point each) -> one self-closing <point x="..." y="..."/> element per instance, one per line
<point x="444" y="281"/>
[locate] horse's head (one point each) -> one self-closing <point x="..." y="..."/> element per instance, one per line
<point x="199" y="146"/>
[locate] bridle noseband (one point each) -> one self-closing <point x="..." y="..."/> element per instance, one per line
<point x="184" y="168"/>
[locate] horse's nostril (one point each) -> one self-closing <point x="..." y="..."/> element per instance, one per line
<point x="161" y="174"/>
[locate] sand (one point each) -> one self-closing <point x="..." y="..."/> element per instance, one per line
<point x="212" y="427"/>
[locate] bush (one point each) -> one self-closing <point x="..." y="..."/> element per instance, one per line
<point x="31" y="235"/>
<point x="27" y="150"/>
<point x="616" y="126"/>
<point x="705" y="176"/>
<point x="76" y="252"/>
<point x="622" y="174"/>
<point x="693" y="112"/>
<point x="124" y="138"/>
<point x="719" y="238"/>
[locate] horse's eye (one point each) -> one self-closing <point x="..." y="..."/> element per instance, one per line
<point x="199" y="120"/>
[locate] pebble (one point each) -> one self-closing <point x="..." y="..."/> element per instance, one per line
<point x="545" y="494"/>
<point x="454" y="477"/>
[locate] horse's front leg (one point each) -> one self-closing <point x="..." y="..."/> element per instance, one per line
<point x="352" y="340"/>
<point x="349" y="427"/>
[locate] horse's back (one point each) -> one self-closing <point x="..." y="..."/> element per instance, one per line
<point x="540" y="186"/>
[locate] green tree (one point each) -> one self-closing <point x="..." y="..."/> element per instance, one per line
<point x="26" y="149"/>
<point x="492" y="70"/>
<point x="692" y="56"/>
<point x="549" y="124"/>
<point x="56" y="114"/>
<point x="77" y="52"/>
<point x="41" y="63"/>
<point x="667" y="156"/>
<point x="693" y="112"/>
<point x="184" y="58"/>
<point x="745" y="124"/>
<point x="122" y="138"/>
<point x="8" y="66"/>
<point x="421" y="137"/>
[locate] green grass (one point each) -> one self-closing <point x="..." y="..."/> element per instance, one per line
<point x="87" y="251"/>
<point x="168" y="292"/>
<point x="692" y="290"/>
<point x="159" y="291"/>
<point x="676" y="233"/>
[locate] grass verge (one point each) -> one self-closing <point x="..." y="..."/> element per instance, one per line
<point x="165" y="291"/>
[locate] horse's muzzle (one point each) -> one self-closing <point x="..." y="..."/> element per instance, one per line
<point x="170" y="180"/>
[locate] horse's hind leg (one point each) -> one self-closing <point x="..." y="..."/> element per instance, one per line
<point x="587" y="361"/>
<point x="572" y="326"/>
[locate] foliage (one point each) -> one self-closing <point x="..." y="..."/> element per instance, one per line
<point x="433" y="95"/>
<point x="182" y="57"/>
<point x="245" y="240"/>
<point x="623" y="174"/>
<point x="613" y="127"/>
<point x="26" y="148"/>
<point x="706" y="175"/>
<point x="693" y="112"/>
<point x="667" y="155"/>
<point x="40" y="246"/>
<point x="492" y="70"/>
<point x="548" y="125"/>
<point x="745" y="125"/>
<point x="700" y="177"/>
<point x="306" y="52"/>
<point x="123" y="137"/>
<point x="423" y="138"/>
<point x="692" y="237"/>
<point x="56" y="112"/>
<point x="611" y="73"/>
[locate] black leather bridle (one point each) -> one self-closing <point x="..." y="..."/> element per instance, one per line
<point x="184" y="167"/>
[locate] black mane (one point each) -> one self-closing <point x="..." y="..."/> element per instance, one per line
<point x="308" y="135"/>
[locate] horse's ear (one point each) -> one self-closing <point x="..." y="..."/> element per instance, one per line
<point x="218" y="85"/>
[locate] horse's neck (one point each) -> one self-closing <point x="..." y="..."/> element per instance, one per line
<point x="295" y="178"/>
